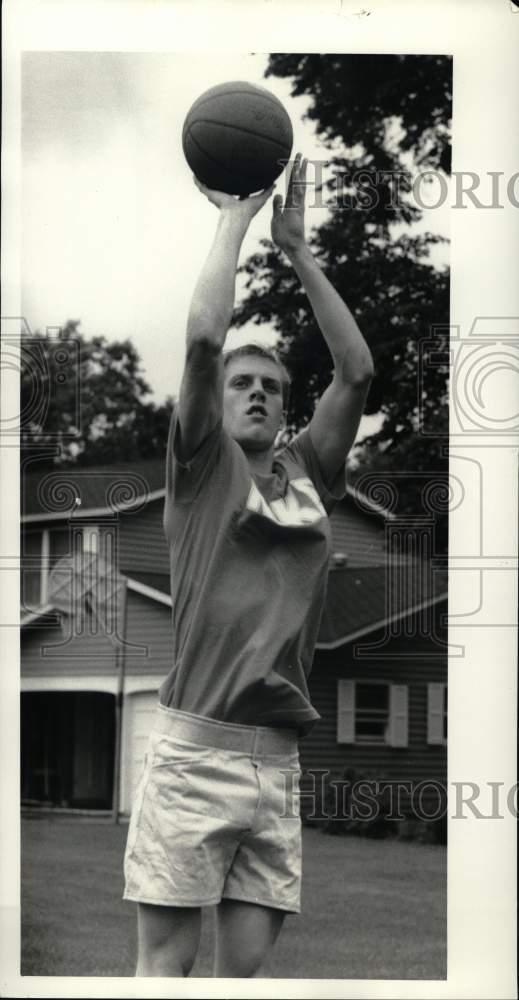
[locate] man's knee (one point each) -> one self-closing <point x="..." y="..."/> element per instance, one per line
<point x="247" y="963"/>
<point x="164" y="960"/>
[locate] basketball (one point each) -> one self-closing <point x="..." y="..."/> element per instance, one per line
<point x="237" y="138"/>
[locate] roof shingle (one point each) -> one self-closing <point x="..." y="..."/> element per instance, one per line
<point x="52" y="492"/>
<point x="361" y="598"/>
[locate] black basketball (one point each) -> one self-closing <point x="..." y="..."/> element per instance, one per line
<point x="237" y="138"/>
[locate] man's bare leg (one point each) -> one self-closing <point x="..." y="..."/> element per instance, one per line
<point x="245" y="936"/>
<point x="168" y="939"/>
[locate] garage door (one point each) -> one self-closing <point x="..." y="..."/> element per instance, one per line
<point x="140" y="709"/>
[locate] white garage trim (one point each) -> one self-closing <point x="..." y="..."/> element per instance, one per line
<point x="62" y="515"/>
<point x="156" y="595"/>
<point x="60" y="683"/>
<point x="92" y="683"/>
<point x="32" y="616"/>
<point x="151" y="682"/>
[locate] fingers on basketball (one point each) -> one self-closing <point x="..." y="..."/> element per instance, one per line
<point x="264" y="195"/>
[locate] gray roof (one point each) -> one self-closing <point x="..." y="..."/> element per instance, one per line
<point x="359" y="600"/>
<point x="49" y="494"/>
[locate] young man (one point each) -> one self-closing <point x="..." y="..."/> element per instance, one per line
<point x="249" y="540"/>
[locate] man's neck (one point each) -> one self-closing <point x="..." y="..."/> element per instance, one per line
<point x="260" y="461"/>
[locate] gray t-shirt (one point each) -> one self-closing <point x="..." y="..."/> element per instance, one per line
<point x="249" y="561"/>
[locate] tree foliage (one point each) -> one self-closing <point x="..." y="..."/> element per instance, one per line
<point x="381" y="118"/>
<point x="83" y="401"/>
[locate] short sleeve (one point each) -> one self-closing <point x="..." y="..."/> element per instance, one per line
<point x="302" y="451"/>
<point x="185" y="479"/>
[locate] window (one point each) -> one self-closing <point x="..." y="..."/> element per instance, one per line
<point x="370" y="712"/>
<point x="99" y="540"/>
<point x="31" y="574"/>
<point x="437" y="714"/>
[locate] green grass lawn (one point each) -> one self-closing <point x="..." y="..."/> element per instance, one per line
<point x="371" y="909"/>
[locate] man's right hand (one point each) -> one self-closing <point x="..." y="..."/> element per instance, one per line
<point x="242" y="208"/>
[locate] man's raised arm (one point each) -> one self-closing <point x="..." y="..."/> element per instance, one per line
<point x="334" y="425"/>
<point x="210" y="313"/>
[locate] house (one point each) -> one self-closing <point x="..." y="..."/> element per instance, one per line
<point x="90" y="677"/>
<point x="88" y="685"/>
<point x="379" y="683"/>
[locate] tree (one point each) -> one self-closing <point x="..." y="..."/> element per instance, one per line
<point x="83" y="401"/>
<point x="382" y="118"/>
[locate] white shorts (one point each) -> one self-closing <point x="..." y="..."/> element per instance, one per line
<point x="216" y="816"/>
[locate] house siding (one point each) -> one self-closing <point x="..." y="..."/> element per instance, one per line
<point x="141" y="540"/>
<point x="149" y="624"/>
<point x="414" y="661"/>
<point x="148" y="627"/>
<point x="46" y="652"/>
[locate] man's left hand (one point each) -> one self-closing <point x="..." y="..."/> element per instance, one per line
<point x="288" y="221"/>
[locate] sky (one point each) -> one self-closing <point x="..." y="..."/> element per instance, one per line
<point x="114" y="232"/>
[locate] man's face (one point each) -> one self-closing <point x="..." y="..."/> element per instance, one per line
<point x="252" y="401"/>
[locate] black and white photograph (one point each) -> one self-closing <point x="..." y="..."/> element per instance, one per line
<point x="262" y="410"/>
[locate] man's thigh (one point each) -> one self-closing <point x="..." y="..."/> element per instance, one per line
<point x="190" y="811"/>
<point x="168" y="939"/>
<point x="245" y="936"/>
<point x="266" y="868"/>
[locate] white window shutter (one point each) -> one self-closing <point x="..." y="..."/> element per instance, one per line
<point x="345" y="711"/>
<point x="91" y="539"/>
<point x="435" y="714"/>
<point x="398" y="726"/>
